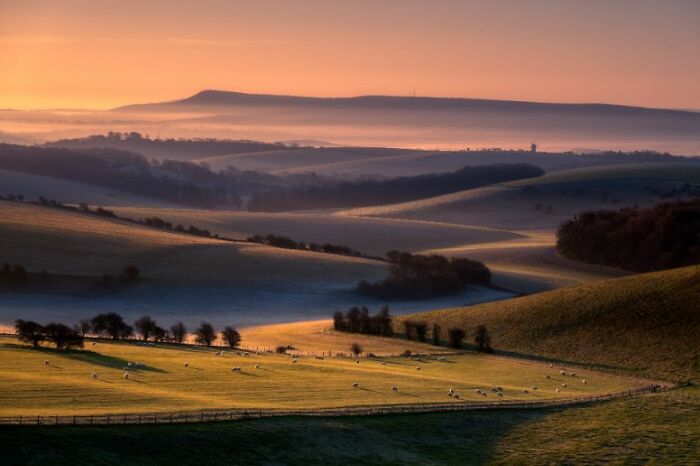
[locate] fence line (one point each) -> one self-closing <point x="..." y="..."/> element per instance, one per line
<point x="240" y="413"/>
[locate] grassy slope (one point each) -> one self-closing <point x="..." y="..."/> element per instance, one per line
<point x="662" y="429"/>
<point x="648" y="324"/>
<point x="65" y="387"/>
<point x="59" y="241"/>
<point x="368" y="235"/>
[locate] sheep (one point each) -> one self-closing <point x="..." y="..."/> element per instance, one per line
<point x="417" y="368"/>
<point x="294" y="361"/>
<point x="236" y="369"/>
<point x="394" y="388"/>
<point x="494" y="389"/>
<point x="451" y="391"/>
<point x="357" y="361"/>
<point x="94" y="375"/>
<point x="46" y="362"/>
<point x="187" y="364"/>
<point x="499" y="388"/>
<point x="478" y="391"/>
<point x="483" y="393"/>
<point x="557" y="390"/>
<point x="126" y="375"/>
<point x="93" y="343"/>
<point x="320" y="358"/>
<point x="551" y="365"/>
<point x="500" y="394"/>
<point x="563" y="385"/>
<point x="535" y="388"/>
<point x="356" y="385"/>
<point x="573" y="374"/>
<point x="561" y="372"/>
<point x="584" y="381"/>
<point x="257" y="366"/>
<point x="526" y="391"/>
<point x="441" y="358"/>
<point x="383" y="363"/>
<point x="547" y="377"/>
<point x="244" y="354"/>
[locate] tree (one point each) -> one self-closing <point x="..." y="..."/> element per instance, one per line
<point x="29" y="332"/>
<point x="436" y="334"/>
<point x="205" y="334"/>
<point x="339" y="321"/>
<point x="353" y="318"/>
<point x="84" y="327"/>
<point x="456" y="336"/>
<point x="160" y="334"/>
<point x="145" y="326"/>
<point x="231" y="336"/>
<point x="179" y="332"/>
<point x="356" y="349"/>
<point x="408" y="326"/>
<point x="111" y="324"/>
<point x="421" y="329"/>
<point x="63" y="336"/>
<point x="384" y="322"/>
<point x="483" y="339"/>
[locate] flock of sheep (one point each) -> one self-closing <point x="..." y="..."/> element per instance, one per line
<point x="452" y="393"/>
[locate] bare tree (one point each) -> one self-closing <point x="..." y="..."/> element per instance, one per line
<point x="205" y="334"/>
<point x="356" y="349"/>
<point x="179" y="332"/>
<point x="231" y="336"/>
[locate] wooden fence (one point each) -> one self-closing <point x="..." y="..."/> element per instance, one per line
<point x="238" y="413"/>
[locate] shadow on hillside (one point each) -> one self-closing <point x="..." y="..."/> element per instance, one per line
<point x="558" y="361"/>
<point x="86" y="356"/>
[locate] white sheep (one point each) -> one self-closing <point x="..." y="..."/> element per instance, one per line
<point x="394" y="388"/>
<point x="526" y="391"/>
<point x="417" y="368"/>
<point x="356" y="385"/>
<point x="557" y="390"/>
<point x="561" y="372"/>
<point x="563" y="385"/>
<point x="535" y="388"/>
<point x="126" y="375"/>
<point x="451" y="391"/>
<point x="257" y="366"/>
<point x="94" y="375"/>
<point x="46" y="362"/>
<point x="187" y="364"/>
<point x="584" y="381"/>
<point x="551" y="365"/>
<point x="294" y="361"/>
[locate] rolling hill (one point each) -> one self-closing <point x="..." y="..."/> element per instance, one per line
<point x="546" y="201"/>
<point x="645" y="324"/>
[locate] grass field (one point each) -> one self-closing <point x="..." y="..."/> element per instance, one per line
<point x="162" y="383"/>
<point x="658" y="429"/>
<point x="647" y="324"/>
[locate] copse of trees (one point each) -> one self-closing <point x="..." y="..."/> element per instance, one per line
<point x="641" y="240"/>
<point x="359" y="320"/>
<point x="60" y="335"/>
<point x="418" y="276"/>
<point x="288" y="243"/>
<point x="111" y="325"/>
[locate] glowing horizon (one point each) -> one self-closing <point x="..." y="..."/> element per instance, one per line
<point x="81" y="54"/>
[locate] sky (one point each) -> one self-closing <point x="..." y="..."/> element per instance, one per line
<point x="100" y="54"/>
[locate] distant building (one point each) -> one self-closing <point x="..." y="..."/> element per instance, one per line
<point x="533" y="147"/>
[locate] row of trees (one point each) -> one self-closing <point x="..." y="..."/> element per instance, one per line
<point x="16" y="274"/>
<point x="418" y="276"/>
<point x="288" y="243"/>
<point x="661" y="237"/>
<point x="112" y="325"/>
<point x="13" y="274"/>
<point x="417" y="330"/>
<point x="358" y="320"/>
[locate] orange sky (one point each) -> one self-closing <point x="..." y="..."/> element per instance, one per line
<point x="98" y="54"/>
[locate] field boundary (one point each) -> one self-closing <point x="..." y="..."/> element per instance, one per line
<point x="182" y="417"/>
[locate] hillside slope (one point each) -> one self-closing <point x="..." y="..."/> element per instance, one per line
<point x="647" y="324"/>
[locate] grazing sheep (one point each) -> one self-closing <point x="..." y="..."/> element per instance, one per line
<point x="93" y="343"/>
<point x="236" y="369"/>
<point x="417" y="368"/>
<point x="547" y="377"/>
<point x="583" y="381"/>
<point x="356" y="385"/>
<point x="500" y="394"/>
<point x="499" y="388"/>
<point x="573" y="374"/>
<point x="357" y="361"/>
<point x="130" y="364"/>
<point x="394" y="388"/>
<point x="494" y="389"/>
<point x="557" y="390"/>
<point x="478" y="391"/>
<point x="563" y="385"/>
<point x="46" y="362"/>
<point x="257" y="366"/>
<point x="126" y="375"/>
<point x="294" y="361"/>
<point x="535" y="388"/>
<point x="94" y="375"/>
<point x="451" y="391"/>
<point x="483" y="393"/>
<point x="187" y="364"/>
<point x="551" y="365"/>
<point x="526" y="391"/>
<point x="561" y="372"/>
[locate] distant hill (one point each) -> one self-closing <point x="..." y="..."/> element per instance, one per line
<point x="430" y="122"/>
<point x="647" y="324"/>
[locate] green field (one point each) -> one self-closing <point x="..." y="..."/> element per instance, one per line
<point x="658" y="429"/>
<point x="162" y="383"/>
<point x="644" y="324"/>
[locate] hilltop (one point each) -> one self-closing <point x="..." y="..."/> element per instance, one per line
<point x="646" y="324"/>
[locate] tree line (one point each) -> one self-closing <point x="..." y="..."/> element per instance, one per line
<point x="376" y="192"/>
<point x="17" y="274"/>
<point x="359" y="320"/>
<point x="415" y="276"/>
<point x="418" y="330"/>
<point x="288" y="243"/>
<point x="641" y="240"/>
<point x="112" y="325"/>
